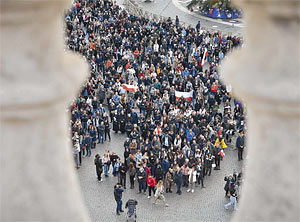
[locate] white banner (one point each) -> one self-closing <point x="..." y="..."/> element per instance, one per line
<point x="185" y="95"/>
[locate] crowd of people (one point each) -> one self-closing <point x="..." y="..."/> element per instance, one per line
<point x="158" y="84"/>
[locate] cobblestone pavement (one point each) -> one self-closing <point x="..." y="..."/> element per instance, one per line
<point x="204" y="205"/>
<point x="171" y="8"/>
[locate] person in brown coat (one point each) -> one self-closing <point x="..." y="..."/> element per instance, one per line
<point x="133" y="147"/>
<point x="169" y="180"/>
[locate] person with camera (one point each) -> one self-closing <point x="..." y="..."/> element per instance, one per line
<point x="229" y="180"/>
<point x="233" y="196"/>
<point x="118" y="190"/>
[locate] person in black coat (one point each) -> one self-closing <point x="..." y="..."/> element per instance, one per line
<point x="118" y="190"/>
<point x="88" y="142"/>
<point x="229" y="180"/>
<point x="209" y="161"/>
<point x="116" y="122"/>
<point x="158" y="173"/>
<point x="122" y="171"/>
<point x="122" y="122"/>
<point x="93" y="134"/>
<point x="217" y="155"/>
<point x="142" y="176"/>
<point x="99" y="166"/>
<point x="200" y="174"/>
<point x="107" y="129"/>
<point x="240" y="145"/>
<point x="128" y="128"/>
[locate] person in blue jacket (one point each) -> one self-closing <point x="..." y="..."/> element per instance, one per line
<point x="190" y="135"/>
<point x="178" y="179"/>
<point x="165" y="164"/>
<point x="118" y="190"/>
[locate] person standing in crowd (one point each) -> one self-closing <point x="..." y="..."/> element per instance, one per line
<point x="132" y="173"/>
<point x="185" y="175"/>
<point x="165" y="165"/>
<point x="159" y="193"/>
<point x="217" y="155"/>
<point x="200" y="174"/>
<point x="141" y="175"/>
<point x="122" y="172"/>
<point x="192" y="179"/>
<point x="158" y="173"/>
<point x="106" y="162"/>
<point x="99" y="166"/>
<point x="116" y="167"/>
<point x="76" y="151"/>
<point x="118" y="190"/>
<point x="101" y="130"/>
<point x="116" y="121"/>
<point x="88" y="145"/>
<point x="209" y="160"/>
<point x="240" y="145"/>
<point x="93" y="134"/>
<point x="178" y="179"/>
<point x="169" y="180"/>
<point x="151" y="182"/>
<point x="107" y="129"/>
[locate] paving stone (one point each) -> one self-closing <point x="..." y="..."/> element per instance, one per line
<point x="205" y="204"/>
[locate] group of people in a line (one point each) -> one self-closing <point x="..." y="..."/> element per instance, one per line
<point x="157" y="83"/>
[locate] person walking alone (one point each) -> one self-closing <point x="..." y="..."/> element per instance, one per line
<point x="159" y="193"/>
<point x="99" y="166"/>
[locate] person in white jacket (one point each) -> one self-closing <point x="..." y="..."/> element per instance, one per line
<point x="192" y="179"/>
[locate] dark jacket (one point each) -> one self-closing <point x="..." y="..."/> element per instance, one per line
<point x="99" y="165"/>
<point x="158" y="174"/>
<point x="122" y="170"/>
<point x="240" y="142"/>
<point x="178" y="176"/>
<point x="118" y="193"/>
<point x="141" y="176"/>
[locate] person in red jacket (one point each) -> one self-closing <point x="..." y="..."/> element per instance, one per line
<point x="147" y="170"/>
<point x="151" y="184"/>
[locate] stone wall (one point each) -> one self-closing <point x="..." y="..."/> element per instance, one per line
<point x="38" y="81"/>
<point x="266" y="74"/>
